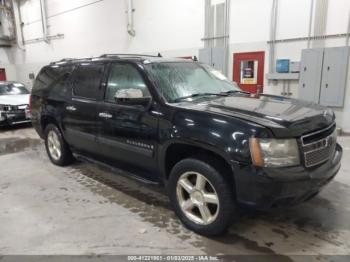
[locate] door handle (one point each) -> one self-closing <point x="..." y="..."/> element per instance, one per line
<point x="105" y="115"/>
<point x="71" y="108"/>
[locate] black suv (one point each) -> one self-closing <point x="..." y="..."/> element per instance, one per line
<point x="182" y="124"/>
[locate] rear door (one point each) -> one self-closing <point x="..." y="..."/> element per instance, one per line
<point x="128" y="132"/>
<point x="80" y="112"/>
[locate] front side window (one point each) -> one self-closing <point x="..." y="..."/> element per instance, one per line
<point x="13" y="89"/>
<point x="86" y="80"/>
<point x="125" y="80"/>
<point x="177" y="80"/>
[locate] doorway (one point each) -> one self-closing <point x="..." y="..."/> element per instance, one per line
<point x="2" y="74"/>
<point x="248" y="71"/>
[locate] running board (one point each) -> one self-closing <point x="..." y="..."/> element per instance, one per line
<point x="121" y="172"/>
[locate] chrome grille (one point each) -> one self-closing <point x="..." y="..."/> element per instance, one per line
<point x="319" y="146"/>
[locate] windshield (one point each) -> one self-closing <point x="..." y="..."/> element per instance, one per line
<point x="13" y="89"/>
<point x="182" y="80"/>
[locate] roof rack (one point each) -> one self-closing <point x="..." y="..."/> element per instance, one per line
<point x="130" y="55"/>
<point x="68" y="60"/>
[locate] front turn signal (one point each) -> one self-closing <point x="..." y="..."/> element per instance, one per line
<point x="255" y="152"/>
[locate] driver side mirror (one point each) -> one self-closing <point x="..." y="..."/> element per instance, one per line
<point x="132" y="96"/>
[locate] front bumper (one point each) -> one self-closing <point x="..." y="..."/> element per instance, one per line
<point x="263" y="188"/>
<point x="9" y="118"/>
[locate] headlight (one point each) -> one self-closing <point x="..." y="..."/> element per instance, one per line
<point x="274" y="152"/>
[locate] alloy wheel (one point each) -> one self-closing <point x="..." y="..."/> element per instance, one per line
<point x="197" y="198"/>
<point x="54" y="145"/>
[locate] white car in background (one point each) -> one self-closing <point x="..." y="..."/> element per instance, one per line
<point x="14" y="104"/>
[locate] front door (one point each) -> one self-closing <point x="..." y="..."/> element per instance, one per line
<point x="248" y="71"/>
<point x="128" y="132"/>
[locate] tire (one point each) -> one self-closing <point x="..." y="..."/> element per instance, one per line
<point x="65" y="156"/>
<point x="194" y="203"/>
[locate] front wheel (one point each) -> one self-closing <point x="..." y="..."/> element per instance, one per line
<point x="202" y="197"/>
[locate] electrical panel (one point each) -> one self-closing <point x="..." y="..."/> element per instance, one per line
<point x="310" y="74"/>
<point x="335" y="67"/>
<point x="323" y="74"/>
<point x="282" y="65"/>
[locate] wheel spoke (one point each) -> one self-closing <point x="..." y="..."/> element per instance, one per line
<point x="54" y="153"/>
<point x="188" y="204"/>
<point x="185" y="184"/>
<point x="54" y="145"/>
<point x="58" y="152"/>
<point x="200" y="182"/>
<point x="205" y="213"/>
<point x="55" y="141"/>
<point x="211" y="198"/>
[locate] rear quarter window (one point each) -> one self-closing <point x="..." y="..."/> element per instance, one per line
<point x="50" y="77"/>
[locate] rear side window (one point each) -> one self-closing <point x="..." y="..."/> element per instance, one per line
<point x="49" y="76"/>
<point x="86" y="80"/>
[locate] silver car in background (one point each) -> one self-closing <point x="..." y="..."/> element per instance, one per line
<point x="14" y="104"/>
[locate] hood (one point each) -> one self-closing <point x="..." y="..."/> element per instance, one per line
<point x="285" y="117"/>
<point x="14" y="100"/>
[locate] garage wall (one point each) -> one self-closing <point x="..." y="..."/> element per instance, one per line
<point x="6" y="61"/>
<point x="172" y="27"/>
<point x="250" y="27"/>
<point x="92" y="28"/>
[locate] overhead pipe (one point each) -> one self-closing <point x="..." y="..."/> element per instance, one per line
<point x="130" y="13"/>
<point x="273" y="25"/>
<point x="310" y="23"/>
<point x="18" y="24"/>
<point x="44" y="20"/>
<point x="207" y="18"/>
<point x="227" y="35"/>
<point x="348" y="31"/>
<point x="320" y="23"/>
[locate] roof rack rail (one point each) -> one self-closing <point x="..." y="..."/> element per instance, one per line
<point x="62" y="60"/>
<point x="131" y="55"/>
<point x="67" y="60"/>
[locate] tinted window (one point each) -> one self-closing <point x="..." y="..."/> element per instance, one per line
<point x="49" y="75"/>
<point x="13" y="89"/>
<point x="86" y="80"/>
<point x="61" y="88"/>
<point x="124" y="76"/>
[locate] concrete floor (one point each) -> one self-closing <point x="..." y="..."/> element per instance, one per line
<point x="84" y="209"/>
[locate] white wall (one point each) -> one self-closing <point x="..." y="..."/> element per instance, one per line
<point x="92" y="28"/>
<point x="101" y="28"/>
<point x="172" y="27"/>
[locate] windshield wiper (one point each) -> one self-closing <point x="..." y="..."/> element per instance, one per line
<point x="198" y="95"/>
<point x="234" y="92"/>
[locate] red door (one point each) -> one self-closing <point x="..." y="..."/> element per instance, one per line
<point x="248" y="71"/>
<point x="2" y="74"/>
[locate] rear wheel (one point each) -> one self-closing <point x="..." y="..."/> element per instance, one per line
<point x="56" y="148"/>
<point x="202" y="197"/>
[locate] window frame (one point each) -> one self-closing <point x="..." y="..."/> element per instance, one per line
<point x="98" y="93"/>
<point x="108" y="72"/>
